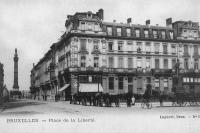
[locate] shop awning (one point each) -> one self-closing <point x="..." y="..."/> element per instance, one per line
<point x="64" y="87"/>
<point x="92" y="87"/>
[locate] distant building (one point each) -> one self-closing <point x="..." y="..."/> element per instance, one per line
<point x="1" y="82"/>
<point x="116" y="58"/>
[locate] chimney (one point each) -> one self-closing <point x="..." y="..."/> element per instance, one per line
<point x="100" y="14"/>
<point x="129" y="21"/>
<point x="169" y="22"/>
<point x="157" y="25"/>
<point x="147" y="22"/>
<point x="114" y="21"/>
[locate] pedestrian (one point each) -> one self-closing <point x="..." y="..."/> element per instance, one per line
<point x="133" y="100"/>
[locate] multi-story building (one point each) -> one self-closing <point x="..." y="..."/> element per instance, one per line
<point x="116" y="58"/>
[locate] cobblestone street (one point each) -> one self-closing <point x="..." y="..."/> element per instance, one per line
<point x="31" y="107"/>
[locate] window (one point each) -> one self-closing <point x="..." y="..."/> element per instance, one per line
<point x="96" y="26"/>
<point x="187" y="79"/>
<point x="164" y="49"/>
<point x="83" y="44"/>
<point x="196" y="52"/>
<point x="184" y="79"/>
<point x="130" y="84"/>
<point x="139" y="83"/>
<point x="163" y="34"/>
<point x="129" y="46"/>
<point x="173" y="63"/>
<point x="83" y="78"/>
<point x="186" y="63"/>
<point x="128" y="32"/>
<point x="146" y="33"/>
<point x="119" y="33"/>
<point x="111" y="62"/>
<point x="171" y="35"/>
<point x="121" y="83"/>
<point x="147" y="62"/>
<point x="139" y="47"/>
<point x="82" y="25"/>
<point x="95" y="79"/>
<point x="90" y="26"/>
<point x="104" y="62"/>
<point x="130" y="80"/>
<point x="195" y="80"/>
<point x="90" y="79"/>
<point x="148" y="48"/>
<point x="148" y="80"/>
<point x="157" y="84"/>
<point x="130" y="62"/>
<point x="185" y="49"/>
<point x="120" y="44"/>
<point x="96" y="45"/>
<point x="157" y="47"/>
<point x="155" y="34"/>
<point x="165" y="63"/>
<point x="120" y="62"/>
<point x="196" y="64"/>
<point x="191" y="80"/>
<point x="157" y="63"/>
<point x="137" y="32"/>
<point x="83" y="58"/>
<point x="173" y="49"/>
<point x="110" y="46"/>
<point x="139" y="61"/>
<point x="109" y="30"/>
<point x="165" y="82"/>
<point x="111" y="83"/>
<point x="96" y="61"/>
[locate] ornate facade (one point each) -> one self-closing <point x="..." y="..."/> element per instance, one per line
<point x="117" y="57"/>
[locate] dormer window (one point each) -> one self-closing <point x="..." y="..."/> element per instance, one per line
<point x="163" y="34"/>
<point x="89" y="15"/>
<point x="171" y="34"/>
<point x="128" y="32"/>
<point x="119" y="31"/>
<point x="82" y="25"/>
<point x="96" y="26"/>
<point x="146" y="33"/>
<point x="137" y="32"/>
<point x="90" y="26"/>
<point x="109" y="30"/>
<point x="155" y="34"/>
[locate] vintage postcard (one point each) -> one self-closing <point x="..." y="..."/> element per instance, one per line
<point x="99" y="66"/>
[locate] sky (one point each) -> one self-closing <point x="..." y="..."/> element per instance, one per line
<point x="32" y="26"/>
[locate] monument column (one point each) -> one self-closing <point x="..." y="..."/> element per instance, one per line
<point x="15" y="85"/>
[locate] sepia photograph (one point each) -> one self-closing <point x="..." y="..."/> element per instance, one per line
<point x="99" y="66"/>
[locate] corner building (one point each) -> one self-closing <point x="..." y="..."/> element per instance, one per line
<point x="116" y="58"/>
